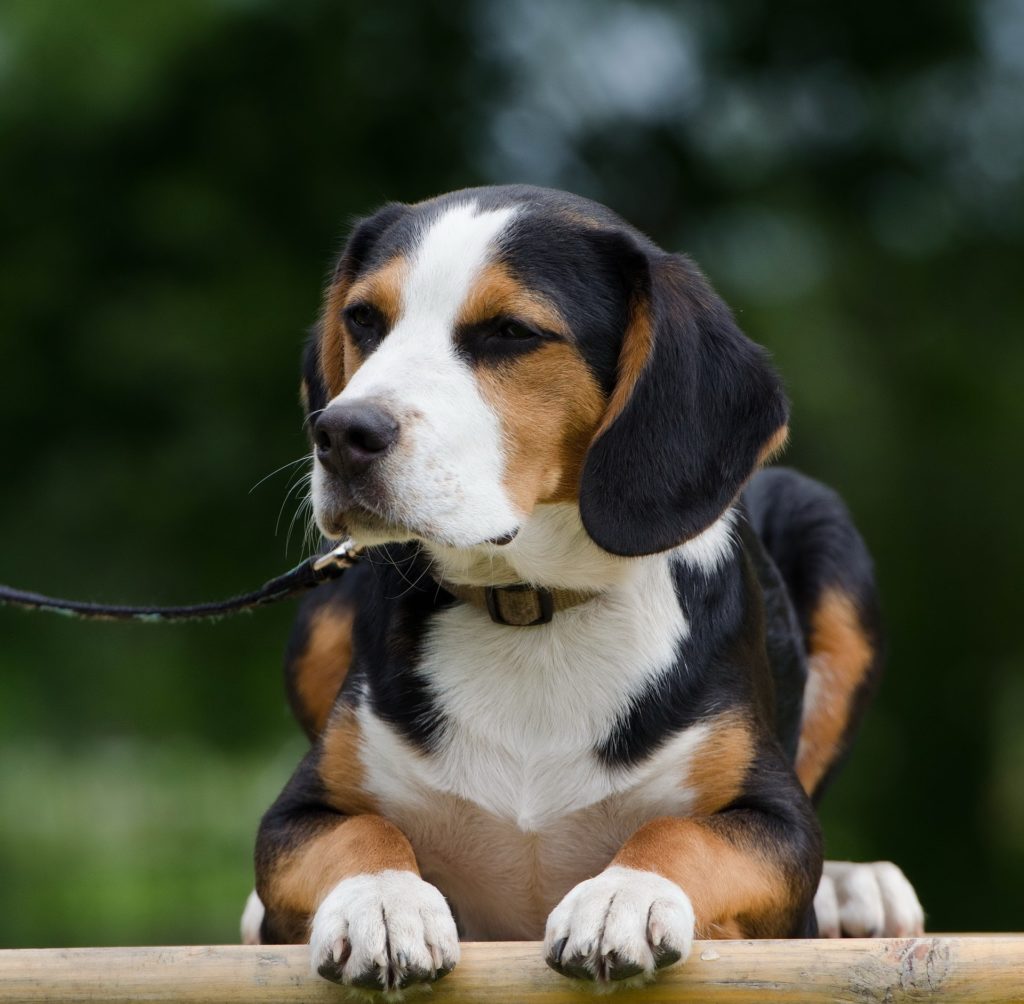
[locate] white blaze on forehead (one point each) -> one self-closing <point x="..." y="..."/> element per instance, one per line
<point x="450" y="255"/>
<point x="452" y="250"/>
<point x="445" y="478"/>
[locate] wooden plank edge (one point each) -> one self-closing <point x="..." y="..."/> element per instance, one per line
<point x="958" y="968"/>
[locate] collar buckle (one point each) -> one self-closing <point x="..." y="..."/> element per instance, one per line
<point x="514" y="606"/>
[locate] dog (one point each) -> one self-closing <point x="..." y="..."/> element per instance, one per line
<point x="600" y="662"/>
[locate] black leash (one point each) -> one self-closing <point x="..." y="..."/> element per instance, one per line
<point x="310" y="573"/>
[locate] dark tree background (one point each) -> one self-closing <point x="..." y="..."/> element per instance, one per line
<point x="175" y="178"/>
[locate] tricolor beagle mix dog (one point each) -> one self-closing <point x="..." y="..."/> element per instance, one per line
<point x="597" y="669"/>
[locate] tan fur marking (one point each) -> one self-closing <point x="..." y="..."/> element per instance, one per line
<point x="721" y="764"/>
<point x="840" y="656"/>
<point x="549" y="404"/>
<point x="497" y="293"/>
<point x="734" y="893"/>
<point x="548" y="401"/>
<point x="323" y="665"/>
<point x="358" y="845"/>
<point x="578" y="218"/>
<point x="341" y="763"/>
<point x="637" y="344"/>
<point x="382" y="288"/>
<point x="774" y="446"/>
<point x="332" y="339"/>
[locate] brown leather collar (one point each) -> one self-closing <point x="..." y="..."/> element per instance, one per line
<point x="520" y="605"/>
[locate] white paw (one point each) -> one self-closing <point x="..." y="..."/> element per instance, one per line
<point x="252" y="919"/>
<point x="623" y="923"/>
<point x="867" y="901"/>
<point x="383" y="932"/>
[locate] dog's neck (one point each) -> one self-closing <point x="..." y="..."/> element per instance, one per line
<point x="553" y="550"/>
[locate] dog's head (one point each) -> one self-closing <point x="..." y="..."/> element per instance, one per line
<point x="498" y="349"/>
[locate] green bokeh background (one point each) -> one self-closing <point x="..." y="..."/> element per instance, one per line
<point x="175" y="179"/>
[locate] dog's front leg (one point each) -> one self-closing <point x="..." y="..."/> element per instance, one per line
<point x="350" y="883"/>
<point x="736" y="874"/>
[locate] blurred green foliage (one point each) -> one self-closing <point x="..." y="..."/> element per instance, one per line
<point x="176" y="177"/>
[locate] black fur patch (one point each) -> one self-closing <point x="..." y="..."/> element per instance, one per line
<point x="299" y="813"/>
<point x="784" y="644"/>
<point x="313" y="379"/>
<point x="373" y="240"/>
<point x="387" y="635"/>
<point x="706" y="679"/>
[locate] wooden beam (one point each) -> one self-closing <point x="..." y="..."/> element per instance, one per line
<point x="960" y="968"/>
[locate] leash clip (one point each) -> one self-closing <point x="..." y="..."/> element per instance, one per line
<point x="345" y="555"/>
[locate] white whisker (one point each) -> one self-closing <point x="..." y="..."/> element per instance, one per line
<point x="291" y="463"/>
<point x="313" y="414"/>
<point x="293" y="486"/>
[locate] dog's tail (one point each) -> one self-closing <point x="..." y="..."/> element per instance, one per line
<point x="808" y="532"/>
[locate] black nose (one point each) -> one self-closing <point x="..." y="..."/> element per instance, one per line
<point x="350" y="437"/>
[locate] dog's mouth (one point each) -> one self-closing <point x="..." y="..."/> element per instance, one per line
<point x="368" y="526"/>
<point x="363" y="510"/>
<point x="363" y="525"/>
<point x="344" y="509"/>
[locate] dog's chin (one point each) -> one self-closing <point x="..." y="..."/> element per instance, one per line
<point x="365" y="528"/>
<point x="369" y="529"/>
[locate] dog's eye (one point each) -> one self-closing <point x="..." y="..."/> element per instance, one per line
<point x="365" y="324"/>
<point x="362" y="315"/>
<point x="500" y="338"/>
<point x="515" y="331"/>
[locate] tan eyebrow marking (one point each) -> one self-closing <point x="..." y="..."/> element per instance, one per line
<point x="498" y="293"/>
<point x="382" y="288"/>
<point x="339" y="357"/>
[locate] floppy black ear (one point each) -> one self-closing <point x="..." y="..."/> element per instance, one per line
<point x="358" y="251"/>
<point x="313" y="389"/>
<point x="696" y="407"/>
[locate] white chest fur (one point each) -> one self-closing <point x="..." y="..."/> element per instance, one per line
<point x="527" y="707"/>
<point x="514" y="807"/>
